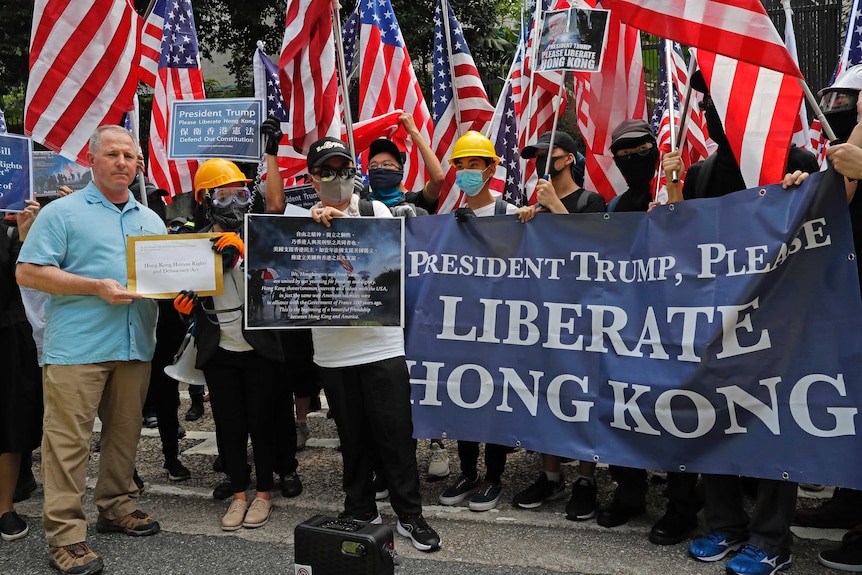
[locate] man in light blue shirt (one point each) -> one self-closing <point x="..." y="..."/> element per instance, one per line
<point x="99" y="340"/>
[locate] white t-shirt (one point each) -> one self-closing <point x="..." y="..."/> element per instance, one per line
<point x="345" y="347"/>
<point x="488" y="210"/>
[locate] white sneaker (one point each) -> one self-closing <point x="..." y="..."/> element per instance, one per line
<point x="438" y="463"/>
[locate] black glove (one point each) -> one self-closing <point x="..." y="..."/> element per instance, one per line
<point x="464" y="214"/>
<point x="271" y="130"/>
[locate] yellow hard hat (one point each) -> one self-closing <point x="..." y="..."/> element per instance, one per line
<point x="473" y="144"/>
<point x="215" y="173"/>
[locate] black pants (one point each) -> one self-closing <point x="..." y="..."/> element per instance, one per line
<point x="684" y="495"/>
<point x="163" y="396"/>
<point x="242" y="389"/>
<point x="495" y="460"/>
<point x="371" y="407"/>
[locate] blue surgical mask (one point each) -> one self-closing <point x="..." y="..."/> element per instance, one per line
<point x="471" y="182"/>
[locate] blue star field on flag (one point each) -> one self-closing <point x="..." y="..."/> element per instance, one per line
<point x="275" y="105"/>
<point x="442" y="94"/>
<point x="349" y="40"/>
<point x="506" y="143"/>
<point x="379" y="13"/>
<point x="179" y="41"/>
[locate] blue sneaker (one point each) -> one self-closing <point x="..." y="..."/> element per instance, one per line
<point x="714" y="546"/>
<point x="753" y="561"/>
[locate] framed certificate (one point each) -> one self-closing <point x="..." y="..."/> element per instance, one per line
<point x="162" y="266"/>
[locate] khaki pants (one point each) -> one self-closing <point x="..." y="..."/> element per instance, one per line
<point x="74" y="394"/>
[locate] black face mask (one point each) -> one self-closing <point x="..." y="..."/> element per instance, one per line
<point x="541" y="165"/>
<point x="842" y="123"/>
<point x="228" y="218"/>
<point x="638" y="170"/>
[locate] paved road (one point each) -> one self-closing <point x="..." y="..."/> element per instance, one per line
<point x="502" y="541"/>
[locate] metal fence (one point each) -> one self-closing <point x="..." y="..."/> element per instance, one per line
<point x="819" y="36"/>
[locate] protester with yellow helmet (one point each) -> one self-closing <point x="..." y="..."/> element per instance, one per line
<point x="475" y="160"/>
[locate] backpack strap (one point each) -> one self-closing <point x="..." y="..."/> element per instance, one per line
<point x="500" y="207"/>
<point x="582" y="200"/>
<point x="366" y="208"/>
<point x="613" y="203"/>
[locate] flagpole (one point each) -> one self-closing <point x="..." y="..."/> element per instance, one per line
<point x="692" y="65"/>
<point x="342" y="72"/>
<point x="534" y="49"/>
<point x="149" y="9"/>
<point x="133" y="113"/>
<point x="824" y="123"/>
<point x="445" y="6"/>
<point x="557" y="101"/>
<point x="671" y="89"/>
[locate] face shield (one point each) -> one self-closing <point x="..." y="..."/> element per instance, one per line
<point x="839" y="101"/>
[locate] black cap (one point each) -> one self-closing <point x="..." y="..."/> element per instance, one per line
<point x="151" y="188"/>
<point x="561" y="140"/>
<point x="631" y="130"/>
<point x="326" y="148"/>
<point x="387" y="146"/>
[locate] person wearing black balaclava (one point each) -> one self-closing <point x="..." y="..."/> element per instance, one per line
<point x="636" y="156"/>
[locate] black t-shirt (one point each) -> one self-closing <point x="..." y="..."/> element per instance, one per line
<point x="418" y="199"/>
<point x="595" y="202"/>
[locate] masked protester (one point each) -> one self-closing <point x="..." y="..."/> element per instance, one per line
<point x="240" y="367"/>
<point x="636" y="155"/>
<point x="475" y="162"/>
<point x="365" y="376"/>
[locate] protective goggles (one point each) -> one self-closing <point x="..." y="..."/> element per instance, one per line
<point x="223" y="197"/>
<point x="839" y="101"/>
<point x="327" y="175"/>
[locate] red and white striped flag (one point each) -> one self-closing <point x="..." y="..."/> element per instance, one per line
<point x="387" y="81"/>
<point x="83" y="71"/>
<point x="759" y="108"/>
<point x="306" y="66"/>
<point x="605" y="99"/>
<point x="455" y="98"/>
<point x="176" y="74"/>
<point x="801" y="136"/>
<point x="739" y="29"/>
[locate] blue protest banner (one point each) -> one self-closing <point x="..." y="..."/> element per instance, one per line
<point x="16" y="172"/>
<point x="718" y="336"/>
<point x="224" y="128"/>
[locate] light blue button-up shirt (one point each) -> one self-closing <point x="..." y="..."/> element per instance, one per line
<point x="85" y="234"/>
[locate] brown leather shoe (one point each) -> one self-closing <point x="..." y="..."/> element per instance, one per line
<point x="136" y="523"/>
<point x="258" y="513"/>
<point x="75" y="559"/>
<point x="233" y="519"/>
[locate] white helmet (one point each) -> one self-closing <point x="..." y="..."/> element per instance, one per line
<point x="844" y="92"/>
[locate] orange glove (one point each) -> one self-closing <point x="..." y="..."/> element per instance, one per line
<point x="226" y="241"/>
<point x="185" y="302"/>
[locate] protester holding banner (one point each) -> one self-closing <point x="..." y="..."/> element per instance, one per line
<point x="365" y="376"/>
<point x="473" y="155"/>
<point x="633" y="145"/>
<point x="99" y="340"/>
<point x="562" y="194"/>
<point x="21" y="385"/>
<point x="241" y="367"/>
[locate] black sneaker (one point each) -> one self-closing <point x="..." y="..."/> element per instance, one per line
<point x="381" y="492"/>
<point x="177" y="471"/>
<point x="618" y="513"/>
<point x="420" y="533"/>
<point x="672" y="528"/>
<point x="223" y="490"/>
<point x="196" y="411"/>
<point x="181" y="432"/>
<point x="459" y="491"/>
<point x="847" y="557"/>
<point x="12" y="527"/>
<point x="290" y="484"/>
<point x="487" y="497"/>
<point x="582" y="505"/>
<point x="542" y="490"/>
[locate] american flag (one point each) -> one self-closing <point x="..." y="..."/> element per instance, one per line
<point x="759" y="108"/>
<point x="83" y="71"/>
<point x="694" y="147"/>
<point x="605" y="99"/>
<point x="851" y="53"/>
<point x="504" y="134"/>
<point x="387" y="80"/>
<point x="739" y="29"/>
<point x="307" y="72"/>
<point x="349" y="39"/>
<point x="460" y="102"/>
<point x="267" y="87"/>
<point x="177" y="77"/>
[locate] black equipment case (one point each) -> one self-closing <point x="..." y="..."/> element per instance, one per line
<point x="330" y="546"/>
